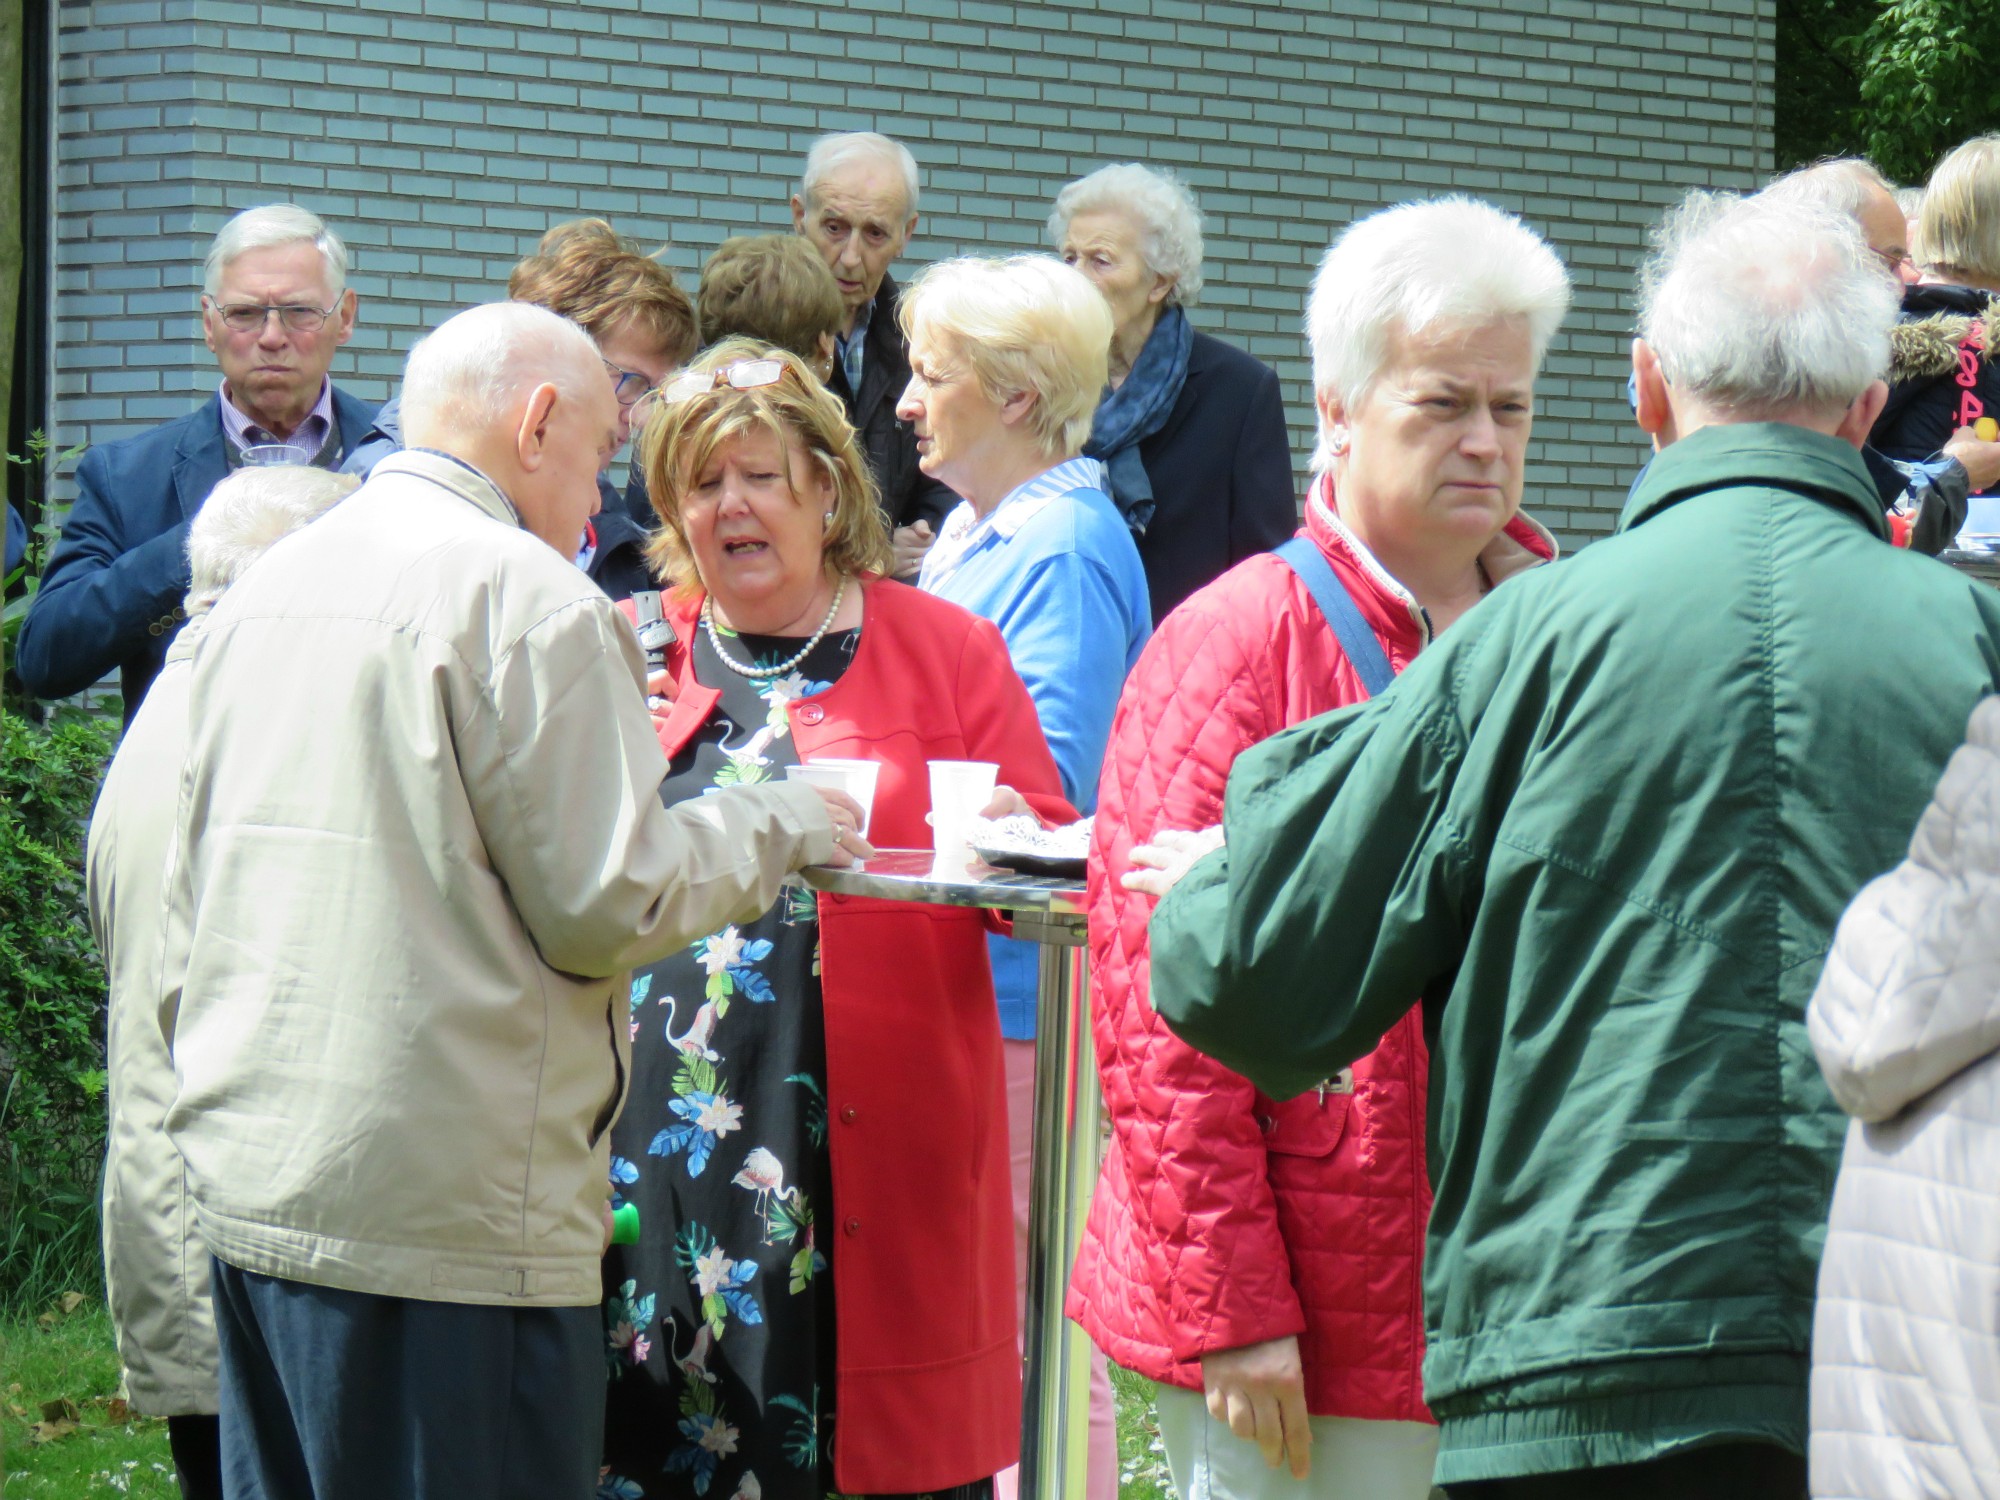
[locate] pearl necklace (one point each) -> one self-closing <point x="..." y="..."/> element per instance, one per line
<point x="764" y="673"/>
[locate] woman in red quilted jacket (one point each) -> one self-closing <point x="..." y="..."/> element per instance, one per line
<point x="1263" y="1254"/>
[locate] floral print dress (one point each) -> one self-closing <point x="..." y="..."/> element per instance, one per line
<point x="720" y="1322"/>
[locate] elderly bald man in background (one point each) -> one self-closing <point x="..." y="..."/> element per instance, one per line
<point x="420" y="833"/>
<point x="857" y="206"/>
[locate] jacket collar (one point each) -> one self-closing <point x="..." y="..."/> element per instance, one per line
<point x="453" y="474"/>
<point x="1523" y="543"/>
<point x="1768" y="455"/>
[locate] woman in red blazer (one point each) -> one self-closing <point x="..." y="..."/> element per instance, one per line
<point x="822" y="1295"/>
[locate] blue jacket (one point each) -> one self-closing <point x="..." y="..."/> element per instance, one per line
<point x="17" y="539"/>
<point x="1058" y="573"/>
<point x="112" y="594"/>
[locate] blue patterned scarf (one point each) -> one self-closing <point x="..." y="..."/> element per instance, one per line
<point x="1138" y="409"/>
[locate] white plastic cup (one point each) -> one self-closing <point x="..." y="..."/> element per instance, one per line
<point x="854" y="777"/>
<point x="275" y="456"/>
<point x="960" y="790"/>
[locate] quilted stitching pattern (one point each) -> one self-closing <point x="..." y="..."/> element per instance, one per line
<point x="1223" y="1218"/>
<point x="1906" y="1332"/>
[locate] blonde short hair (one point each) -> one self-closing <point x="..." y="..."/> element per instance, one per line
<point x="682" y="436"/>
<point x="1027" y="323"/>
<point x="1959" y="227"/>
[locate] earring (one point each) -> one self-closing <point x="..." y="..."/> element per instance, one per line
<point x="1339" y="445"/>
<point x="827" y="519"/>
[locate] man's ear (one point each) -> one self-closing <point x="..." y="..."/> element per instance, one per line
<point x="531" y="439"/>
<point x="1861" y="415"/>
<point x="798" y="214"/>
<point x="1650" y="403"/>
<point x="348" y="304"/>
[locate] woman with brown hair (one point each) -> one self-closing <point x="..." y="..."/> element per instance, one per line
<point x="816" y="1135"/>
<point x="644" y="326"/>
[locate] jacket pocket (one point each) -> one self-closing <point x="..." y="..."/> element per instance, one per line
<point x="1310" y="1125"/>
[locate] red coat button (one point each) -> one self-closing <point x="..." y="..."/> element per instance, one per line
<point x="811" y="713"/>
<point x="849" y="1113"/>
<point x="852" y="1226"/>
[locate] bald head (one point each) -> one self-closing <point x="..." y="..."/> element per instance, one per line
<point x="524" y="397"/>
<point x="1851" y="185"/>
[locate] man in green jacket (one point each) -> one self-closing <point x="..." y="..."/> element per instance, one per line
<point x="1604" y="829"/>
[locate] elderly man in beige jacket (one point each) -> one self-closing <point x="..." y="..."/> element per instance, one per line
<point x="421" y="834"/>
<point x="155" y="1267"/>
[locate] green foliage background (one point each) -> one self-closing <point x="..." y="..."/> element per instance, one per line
<point x="1899" y="81"/>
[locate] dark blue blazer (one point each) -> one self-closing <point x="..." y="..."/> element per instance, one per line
<point x="113" y="591"/>
<point x="1221" y="469"/>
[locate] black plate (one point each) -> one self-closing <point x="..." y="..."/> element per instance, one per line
<point x="1060" y="866"/>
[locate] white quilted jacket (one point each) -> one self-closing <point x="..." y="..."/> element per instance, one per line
<point x="1906" y="1021"/>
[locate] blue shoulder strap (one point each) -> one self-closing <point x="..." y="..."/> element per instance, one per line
<point x="1330" y="594"/>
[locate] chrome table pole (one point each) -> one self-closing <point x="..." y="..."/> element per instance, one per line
<point x="1055" y="1415"/>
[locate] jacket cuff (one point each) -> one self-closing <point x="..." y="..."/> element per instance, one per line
<point x="805" y="817"/>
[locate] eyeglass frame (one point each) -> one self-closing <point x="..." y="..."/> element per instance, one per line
<point x="284" y="310"/>
<point x="690" y="384"/>
<point x="620" y="375"/>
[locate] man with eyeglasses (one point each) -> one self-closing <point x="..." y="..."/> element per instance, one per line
<point x="275" y="307"/>
<point x="1925" y="492"/>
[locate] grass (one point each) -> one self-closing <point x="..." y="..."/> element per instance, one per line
<point x="67" y="1356"/>
<point x="1142" y="1459"/>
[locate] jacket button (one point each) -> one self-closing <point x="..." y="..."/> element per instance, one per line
<point x="849" y="1113"/>
<point x="852" y="1226"/>
<point x="811" y="713"/>
<point x="154" y="628"/>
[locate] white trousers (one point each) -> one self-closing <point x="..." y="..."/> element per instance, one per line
<point x="1351" y="1459"/>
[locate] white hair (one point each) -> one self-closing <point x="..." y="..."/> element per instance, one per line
<point x="1168" y="217"/>
<point x="474" y="370"/>
<point x="1841" y="184"/>
<point x="1454" y="262"/>
<point x="275" y="224"/>
<point x="245" y="515"/>
<point x="831" y="152"/>
<point x="1758" y="307"/>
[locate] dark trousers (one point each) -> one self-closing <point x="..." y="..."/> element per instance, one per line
<point x="1720" y="1471"/>
<point x="335" y="1395"/>
<point x="196" y="1443"/>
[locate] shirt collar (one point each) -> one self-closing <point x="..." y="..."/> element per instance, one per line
<point x="849" y="346"/>
<point x="311" y="434"/>
<point x="965" y="534"/>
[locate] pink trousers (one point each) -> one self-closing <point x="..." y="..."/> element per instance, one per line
<point x="1102" y="1479"/>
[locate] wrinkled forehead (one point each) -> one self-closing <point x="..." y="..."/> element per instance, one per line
<point x="295" y="266"/>
<point x="869" y="194"/>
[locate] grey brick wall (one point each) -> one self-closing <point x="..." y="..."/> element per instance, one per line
<point x="442" y="136"/>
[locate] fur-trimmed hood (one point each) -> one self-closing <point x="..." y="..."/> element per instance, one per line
<point x="1935" y="322"/>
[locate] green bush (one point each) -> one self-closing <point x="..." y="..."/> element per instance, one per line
<point x="51" y="1007"/>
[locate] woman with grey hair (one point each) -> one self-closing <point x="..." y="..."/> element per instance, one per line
<point x="1191" y="430"/>
<point x="1291" y="1330"/>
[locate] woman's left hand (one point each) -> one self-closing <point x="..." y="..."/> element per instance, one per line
<point x="1158" y="866"/>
